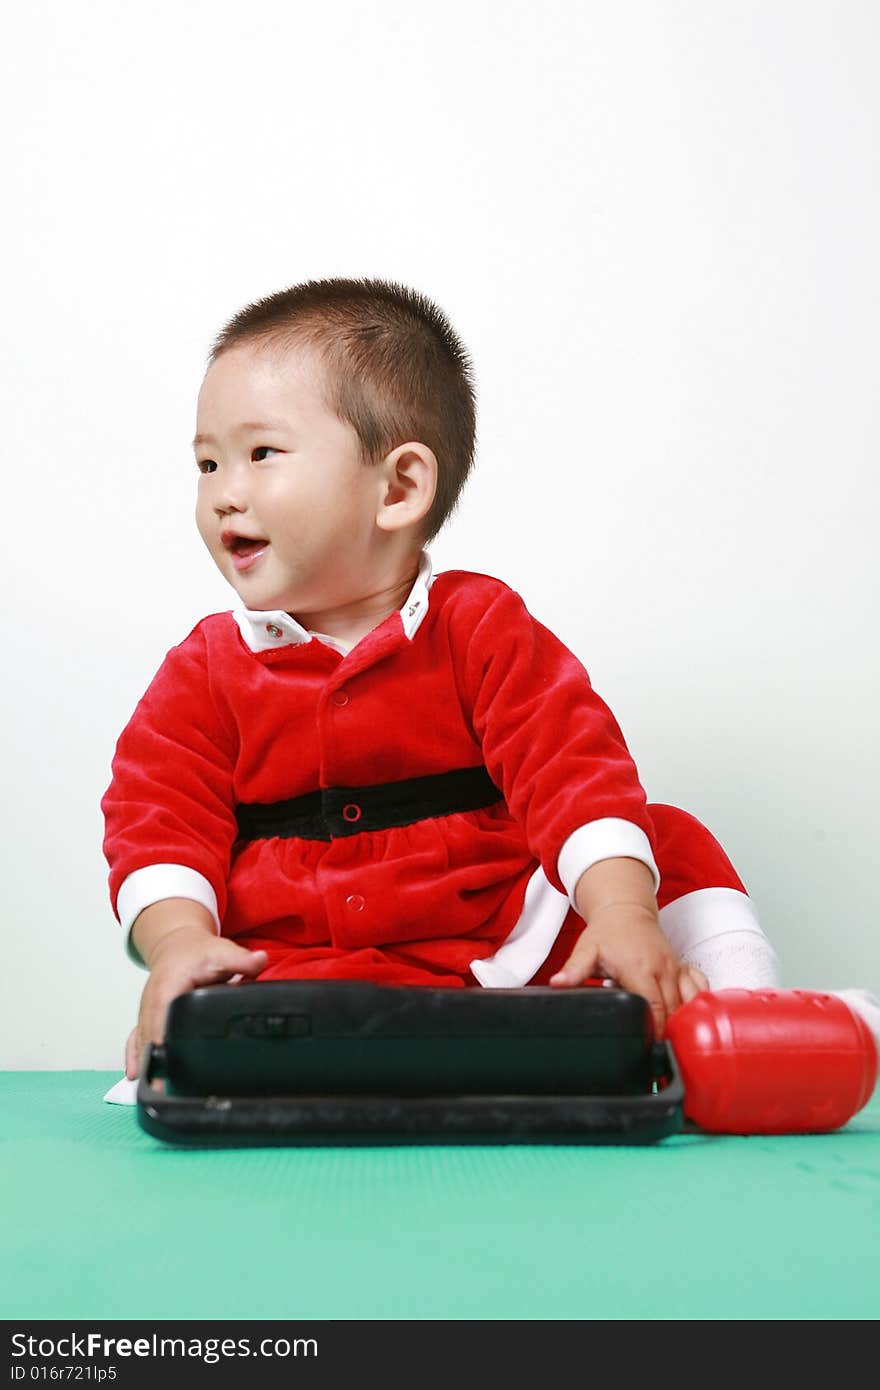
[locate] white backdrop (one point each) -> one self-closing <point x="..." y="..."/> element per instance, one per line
<point x="655" y="225"/>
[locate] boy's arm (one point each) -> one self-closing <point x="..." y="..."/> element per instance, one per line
<point x="557" y="752"/>
<point x="156" y="883"/>
<point x="550" y="743"/>
<point x="160" y="919"/>
<point x="623" y="939"/>
<point x="169" y="810"/>
<point x="178" y="941"/>
<point x="170" y="825"/>
<point x="615" y="883"/>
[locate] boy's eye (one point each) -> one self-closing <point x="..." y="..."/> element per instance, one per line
<point x="209" y="466"/>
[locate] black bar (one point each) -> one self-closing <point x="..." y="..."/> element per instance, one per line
<point x="128" y="1354"/>
<point x="336" y="812"/>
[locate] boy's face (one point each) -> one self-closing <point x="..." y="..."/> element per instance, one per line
<point x="297" y="483"/>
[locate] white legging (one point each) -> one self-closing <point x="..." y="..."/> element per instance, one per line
<point x="718" y="931"/>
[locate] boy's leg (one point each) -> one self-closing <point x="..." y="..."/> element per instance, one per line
<point x="705" y="910"/>
<point x="711" y="921"/>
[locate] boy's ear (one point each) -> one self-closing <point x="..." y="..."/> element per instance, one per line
<point x="407" y="486"/>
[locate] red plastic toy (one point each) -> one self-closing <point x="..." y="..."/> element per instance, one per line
<point x="772" y="1061"/>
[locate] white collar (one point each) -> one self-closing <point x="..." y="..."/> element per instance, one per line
<point x="266" y="630"/>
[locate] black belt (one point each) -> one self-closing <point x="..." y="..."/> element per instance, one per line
<point x="337" y="811"/>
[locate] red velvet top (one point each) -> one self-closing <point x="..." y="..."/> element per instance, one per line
<point x="478" y="680"/>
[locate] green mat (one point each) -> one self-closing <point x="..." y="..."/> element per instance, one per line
<point x="100" y="1220"/>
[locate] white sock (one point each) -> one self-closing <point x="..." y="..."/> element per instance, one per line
<point x="735" y="960"/>
<point x="717" y="930"/>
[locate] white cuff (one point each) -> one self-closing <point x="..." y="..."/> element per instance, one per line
<point x="153" y="883"/>
<point x="609" y="838"/>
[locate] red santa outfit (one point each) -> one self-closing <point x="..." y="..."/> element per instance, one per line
<point x="417" y="809"/>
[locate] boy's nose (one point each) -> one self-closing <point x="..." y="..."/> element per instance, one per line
<point x="230" y="499"/>
<point x="230" y="492"/>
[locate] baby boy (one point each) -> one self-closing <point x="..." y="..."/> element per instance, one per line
<point x="366" y="770"/>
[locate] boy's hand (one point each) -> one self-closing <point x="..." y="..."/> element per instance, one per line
<point x="183" y="960"/>
<point x="626" y="942"/>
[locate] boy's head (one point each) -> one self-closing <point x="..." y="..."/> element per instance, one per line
<point x="372" y="404"/>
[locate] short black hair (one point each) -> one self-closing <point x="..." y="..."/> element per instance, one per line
<point x="396" y="369"/>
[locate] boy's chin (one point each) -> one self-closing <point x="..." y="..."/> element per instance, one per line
<point x="258" y="599"/>
<point x="258" y="593"/>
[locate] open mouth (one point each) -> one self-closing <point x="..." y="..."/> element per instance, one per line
<point x="246" y="553"/>
<point x="243" y="545"/>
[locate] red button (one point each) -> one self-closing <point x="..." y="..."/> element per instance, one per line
<point x="340" y="697"/>
<point x="351" y="811"/>
<point x="355" y="902"/>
